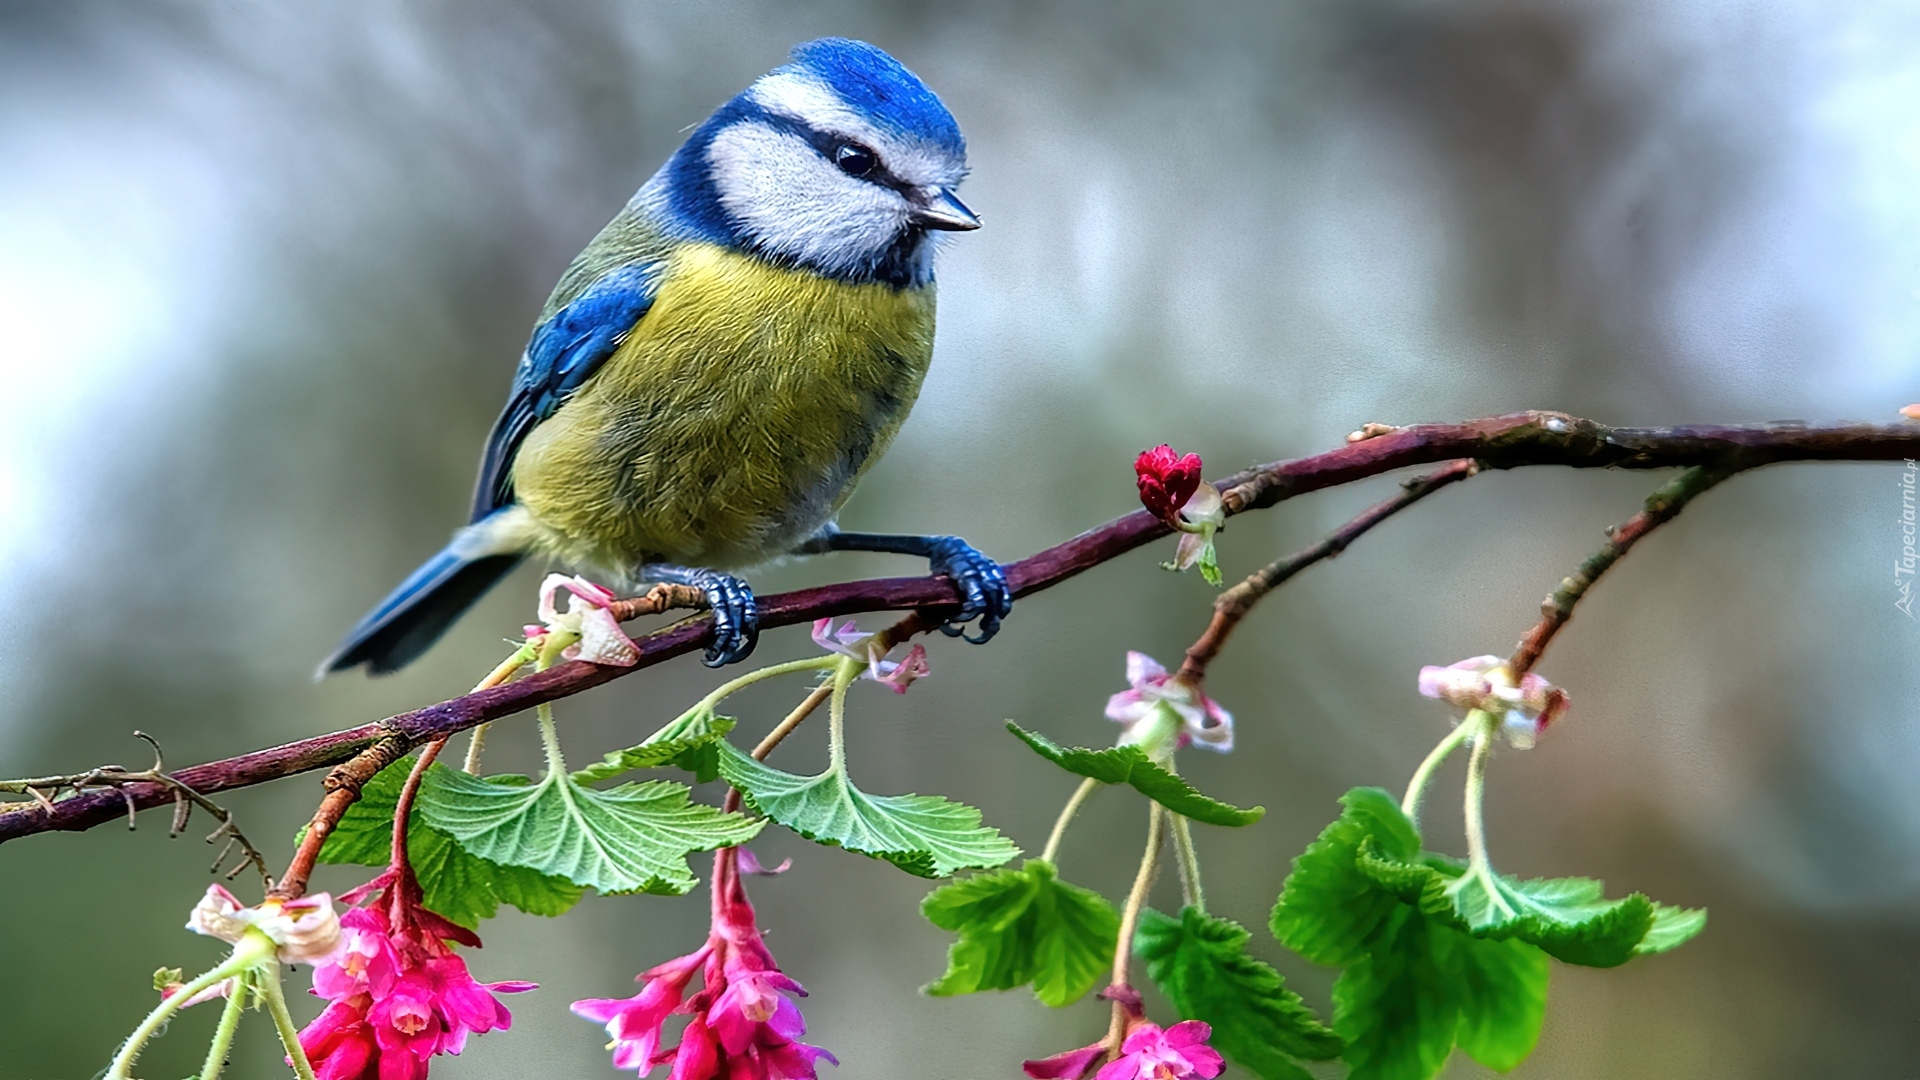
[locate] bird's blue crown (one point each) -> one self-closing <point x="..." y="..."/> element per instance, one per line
<point x="881" y="89"/>
<point x="832" y="90"/>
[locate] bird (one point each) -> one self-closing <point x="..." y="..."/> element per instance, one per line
<point x="721" y="364"/>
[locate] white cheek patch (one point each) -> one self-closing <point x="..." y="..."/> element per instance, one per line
<point x="794" y="203"/>
<point x="812" y="102"/>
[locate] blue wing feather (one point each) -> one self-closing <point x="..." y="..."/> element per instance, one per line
<point x="564" y="353"/>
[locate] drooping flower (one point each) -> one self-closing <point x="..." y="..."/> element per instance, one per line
<point x="848" y="639"/>
<point x="1167" y="481"/>
<point x="1204" y="514"/>
<point x="602" y="641"/>
<point x="1174" y="1054"/>
<point x="400" y="994"/>
<point x="304" y="931"/>
<point x="743" y="1022"/>
<point x="1146" y="1052"/>
<point x="341" y="1045"/>
<point x="1163" y="708"/>
<point x="1485" y="683"/>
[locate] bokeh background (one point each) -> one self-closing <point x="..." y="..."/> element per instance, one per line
<point x="265" y="269"/>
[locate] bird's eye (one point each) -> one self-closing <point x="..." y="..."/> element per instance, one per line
<point x="855" y="160"/>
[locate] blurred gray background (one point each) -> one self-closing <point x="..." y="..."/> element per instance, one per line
<point x="265" y="270"/>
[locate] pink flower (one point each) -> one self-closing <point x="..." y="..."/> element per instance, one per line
<point x="1161" y="706"/>
<point x="849" y="640"/>
<point x="1484" y="683"/>
<point x="743" y="1024"/>
<point x="1167" y="480"/>
<point x="400" y="994"/>
<point x="406" y="1021"/>
<point x="365" y="963"/>
<point x="1174" y="1054"/>
<point x="634" y="1023"/>
<point x="601" y="639"/>
<point x="341" y="1045"/>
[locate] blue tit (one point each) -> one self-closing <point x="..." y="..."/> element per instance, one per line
<point x="718" y="368"/>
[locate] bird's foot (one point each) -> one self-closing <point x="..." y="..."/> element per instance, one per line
<point x="986" y="596"/>
<point x="736" y="614"/>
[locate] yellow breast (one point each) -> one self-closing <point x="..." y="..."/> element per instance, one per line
<point x="733" y="420"/>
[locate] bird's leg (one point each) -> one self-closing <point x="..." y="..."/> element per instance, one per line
<point x="736" y="614"/>
<point x="983" y="585"/>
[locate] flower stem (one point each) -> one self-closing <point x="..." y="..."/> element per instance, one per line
<point x="1130" y="917"/>
<point x="248" y="953"/>
<point x="1191" y="894"/>
<point x="846" y="669"/>
<point x="403" y="806"/>
<point x="223" y="1034"/>
<point x="550" y="739"/>
<point x="476" y="742"/>
<point x="1417" y="787"/>
<point x="1080" y="795"/>
<point x="269" y="984"/>
<point x="811" y="663"/>
<point x="1479" y="866"/>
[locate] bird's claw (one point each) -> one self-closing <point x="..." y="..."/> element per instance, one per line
<point x="985" y="594"/>
<point x="736" y="614"/>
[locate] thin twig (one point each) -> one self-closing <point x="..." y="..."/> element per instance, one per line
<point x="44" y="790"/>
<point x="1661" y="507"/>
<point x="1503" y="442"/>
<point x="343" y="786"/>
<point x="1233" y="605"/>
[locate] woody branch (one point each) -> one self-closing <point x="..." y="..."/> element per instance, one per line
<point x="1502" y="442"/>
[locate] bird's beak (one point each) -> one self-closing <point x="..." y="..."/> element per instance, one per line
<point x="937" y="208"/>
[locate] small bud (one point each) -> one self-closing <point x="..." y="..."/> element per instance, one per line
<point x="1166" y="480"/>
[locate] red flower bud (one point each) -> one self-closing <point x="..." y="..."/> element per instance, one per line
<point x="1167" y="481"/>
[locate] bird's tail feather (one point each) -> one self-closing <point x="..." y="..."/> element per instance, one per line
<point x="413" y="616"/>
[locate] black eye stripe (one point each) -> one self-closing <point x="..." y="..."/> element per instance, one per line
<point x="828" y="144"/>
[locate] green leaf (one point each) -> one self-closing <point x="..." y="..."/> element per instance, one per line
<point x="632" y="838"/>
<point x="1423" y="986"/>
<point x="1130" y="765"/>
<point x="1672" y="928"/>
<point x="1328" y="910"/>
<point x="1202" y="965"/>
<point x="686" y="742"/>
<point x="1394" y="1005"/>
<point x="1431" y="958"/>
<point x="1023" y="926"/>
<point x="921" y="834"/>
<point x="1503" y="997"/>
<point x="458" y="885"/>
<point x="1570" y="918"/>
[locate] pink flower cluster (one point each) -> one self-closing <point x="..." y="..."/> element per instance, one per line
<point x="741" y="1024"/>
<point x="399" y="994"/>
